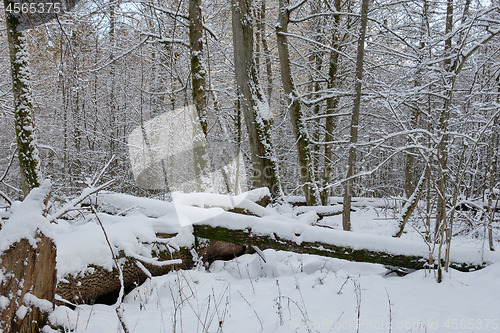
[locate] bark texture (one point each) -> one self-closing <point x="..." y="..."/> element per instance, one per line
<point x="351" y="163"/>
<point x="331" y="104"/>
<point x="29" y="160"/>
<point x="272" y="241"/>
<point x="255" y="109"/>
<point x="307" y="172"/>
<point x="27" y="270"/>
<point x="199" y="92"/>
<point x="88" y="287"/>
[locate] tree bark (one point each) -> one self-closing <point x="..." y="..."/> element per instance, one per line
<point x="411" y="203"/>
<point x="29" y="160"/>
<point x="493" y="197"/>
<point x="442" y="149"/>
<point x="199" y="92"/>
<point x="265" y="51"/>
<point x="28" y="270"/>
<point x="198" y="73"/>
<point x="258" y="117"/>
<point x="273" y="241"/>
<point x="331" y="105"/>
<point x="307" y="172"/>
<point x="351" y="163"/>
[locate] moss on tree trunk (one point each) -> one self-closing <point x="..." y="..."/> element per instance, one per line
<point x="328" y="250"/>
<point x="23" y="106"/>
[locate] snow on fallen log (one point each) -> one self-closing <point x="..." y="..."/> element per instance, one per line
<point x="27" y="264"/>
<point x="268" y="232"/>
<point x="142" y="233"/>
<point x="118" y="203"/>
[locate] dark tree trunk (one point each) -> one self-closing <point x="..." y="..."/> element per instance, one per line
<point x="199" y="92"/>
<point x="273" y="241"/>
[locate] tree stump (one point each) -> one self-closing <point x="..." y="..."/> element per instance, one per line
<point x="27" y="271"/>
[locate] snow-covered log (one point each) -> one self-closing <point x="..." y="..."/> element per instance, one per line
<point x="27" y="266"/>
<point x="99" y="282"/>
<point x="28" y="273"/>
<point x="339" y="244"/>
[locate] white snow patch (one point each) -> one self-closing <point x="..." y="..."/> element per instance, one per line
<point x="26" y="219"/>
<point x="4" y="302"/>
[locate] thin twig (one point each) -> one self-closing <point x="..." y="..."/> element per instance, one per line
<point x="251" y="307"/>
<point x="11" y="160"/>
<point x="5" y="197"/>
<point x="390" y="310"/>
<point x="120" y="272"/>
<point x="97" y="177"/>
<point x="73" y="203"/>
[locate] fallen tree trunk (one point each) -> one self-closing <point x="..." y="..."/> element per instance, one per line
<point x="245" y="236"/>
<point x="102" y="286"/>
<point x="28" y="279"/>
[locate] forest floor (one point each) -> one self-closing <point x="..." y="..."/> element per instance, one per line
<point x="273" y="291"/>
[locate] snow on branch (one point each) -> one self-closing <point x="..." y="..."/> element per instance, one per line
<point x="72" y="205"/>
<point x="135" y="47"/>
<point x="164" y="40"/>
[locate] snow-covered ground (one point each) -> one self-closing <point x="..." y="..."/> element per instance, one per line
<point x="272" y="292"/>
<point x="299" y="293"/>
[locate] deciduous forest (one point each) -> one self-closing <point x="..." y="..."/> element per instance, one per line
<point x="273" y="145"/>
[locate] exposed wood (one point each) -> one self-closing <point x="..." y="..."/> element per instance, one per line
<point x="219" y="250"/>
<point x="90" y="286"/>
<point x="98" y="283"/>
<point x="27" y="270"/>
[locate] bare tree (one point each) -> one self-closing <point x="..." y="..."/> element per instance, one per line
<point x="307" y="172"/>
<point x="199" y="91"/>
<point x="351" y="163"/>
<point x="258" y="116"/>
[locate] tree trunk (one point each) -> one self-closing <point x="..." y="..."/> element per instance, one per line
<point x="411" y="203"/>
<point x="443" y="124"/>
<point x="29" y="160"/>
<point x="27" y="267"/>
<point x="113" y="107"/>
<point x="258" y="116"/>
<point x="28" y="271"/>
<point x="197" y="71"/>
<point x="265" y="51"/>
<point x="493" y="197"/>
<point x="351" y="163"/>
<point x="307" y="174"/>
<point x="274" y="241"/>
<point x="199" y="91"/>
<point x="331" y="105"/>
